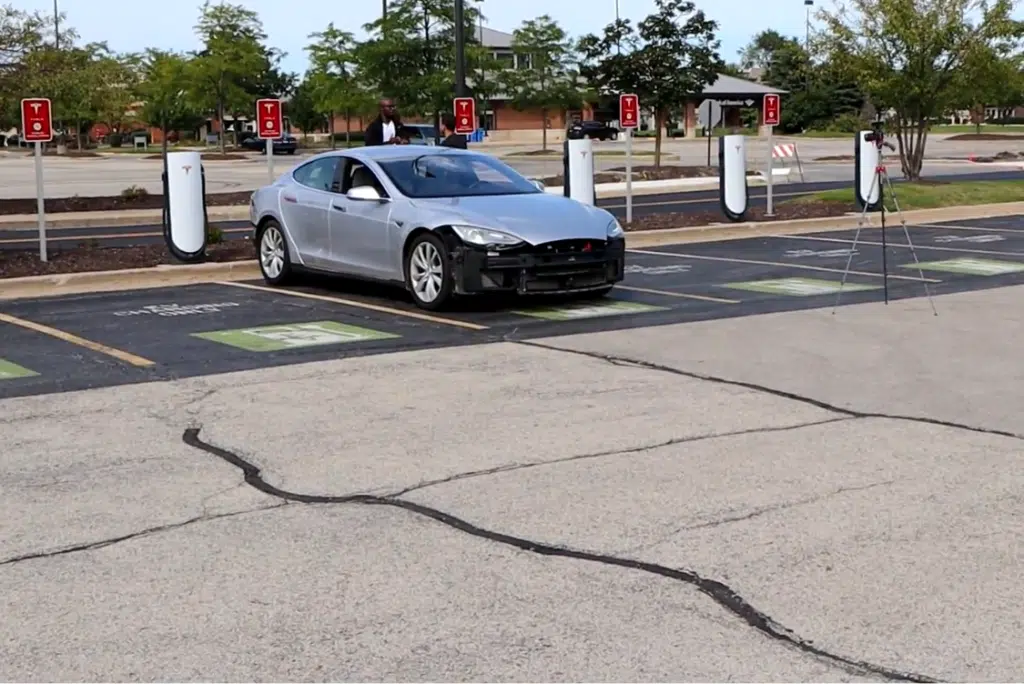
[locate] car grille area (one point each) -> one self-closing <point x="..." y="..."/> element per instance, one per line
<point x="560" y="266"/>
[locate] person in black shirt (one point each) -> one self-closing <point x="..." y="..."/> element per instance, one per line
<point x="451" y="138"/>
<point x="384" y="129"/>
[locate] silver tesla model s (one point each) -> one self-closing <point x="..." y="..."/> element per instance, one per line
<point x="444" y="222"/>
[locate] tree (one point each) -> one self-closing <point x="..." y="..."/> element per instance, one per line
<point x="671" y="56"/>
<point x="905" y="55"/>
<point x="334" y="77"/>
<point x="546" y="79"/>
<point x="231" y="60"/>
<point x="989" y="77"/>
<point x="410" y="55"/>
<point x="303" y="109"/>
<point x="168" y="101"/>
<point x="117" y="78"/>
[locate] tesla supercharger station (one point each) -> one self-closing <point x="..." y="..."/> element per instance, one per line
<point x="185" y="206"/>
<point x="867" y="191"/>
<point x="578" y="171"/>
<point x="732" y="176"/>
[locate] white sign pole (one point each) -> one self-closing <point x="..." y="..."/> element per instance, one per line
<point x="771" y="174"/>
<point x="629" y="175"/>
<point x="40" y="204"/>
<point x="270" y="159"/>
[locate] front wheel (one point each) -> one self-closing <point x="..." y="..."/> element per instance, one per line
<point x="428" y="272"/>
<point x="275" y="263"/>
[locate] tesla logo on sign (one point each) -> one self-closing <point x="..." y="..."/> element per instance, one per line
<point x="465" y="115"/>
<point x="629" y="111"/>
<point x="771" y="110"/>
<point x="269" y="122"/>
<point x="36" y="122"/>
<point x="187" y="168"/>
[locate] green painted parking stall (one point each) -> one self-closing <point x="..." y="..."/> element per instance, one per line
<point x="12" y="371"/>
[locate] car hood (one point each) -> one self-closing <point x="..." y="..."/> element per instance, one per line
<point x="534" y="218"/>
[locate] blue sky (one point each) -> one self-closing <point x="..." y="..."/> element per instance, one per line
<point x="289" y="22"/>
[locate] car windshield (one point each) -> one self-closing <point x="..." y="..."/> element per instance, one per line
<point x="455" y="175"/>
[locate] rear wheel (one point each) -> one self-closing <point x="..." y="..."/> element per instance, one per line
<point x="275" y="263"/>
<point x="428" y="272"/>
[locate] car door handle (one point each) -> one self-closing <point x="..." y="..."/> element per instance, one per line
<point x="339" y="208"/>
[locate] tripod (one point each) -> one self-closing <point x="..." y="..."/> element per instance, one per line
<point x="881" y="176"/>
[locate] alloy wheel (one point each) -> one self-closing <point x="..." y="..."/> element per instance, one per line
<point x="426" y="271"/>
<point x="272" y="252"/>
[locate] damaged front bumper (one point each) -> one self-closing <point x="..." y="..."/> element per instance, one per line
<point x="550" y="268"/>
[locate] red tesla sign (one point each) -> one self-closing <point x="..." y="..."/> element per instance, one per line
<point x="465" y="115"/>
<point x="36" y="120"/>
<point x="772" y="111"/>
<point x="629" y="111"/>
<point x="269" y="119"/>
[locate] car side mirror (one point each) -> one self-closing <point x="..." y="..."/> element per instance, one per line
<point x="364" y="193"/>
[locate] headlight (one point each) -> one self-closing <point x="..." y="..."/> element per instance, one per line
<point x="484" y="236"/>
<point x="615" y="230"/>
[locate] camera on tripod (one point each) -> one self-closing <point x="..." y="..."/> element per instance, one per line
<point x="877" y="135"/>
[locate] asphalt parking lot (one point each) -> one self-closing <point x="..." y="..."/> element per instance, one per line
<point x="87" y="341"/>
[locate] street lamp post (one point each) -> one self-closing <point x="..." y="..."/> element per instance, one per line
<point x="460" y="48"/>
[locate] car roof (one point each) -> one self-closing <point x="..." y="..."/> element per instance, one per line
<point x="393" y="152"/>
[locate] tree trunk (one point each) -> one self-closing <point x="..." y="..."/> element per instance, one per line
<point x="348" y="128"/>
<point x="163" y="141"/>
<point x="78" y="135"/>
<point x="330" y="127"/>
<point x="544" y="130"/>
<point x="220" y="122"/>
<point x="659" y="125"/>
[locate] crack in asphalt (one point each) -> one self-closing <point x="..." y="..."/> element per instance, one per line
<point x="92" y="546"/>
<point x="627" y="362"/>
<point x="512" y="467"/>
<point x="717" y="591"/>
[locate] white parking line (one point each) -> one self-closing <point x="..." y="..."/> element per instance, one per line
<point x="917" y="245"/>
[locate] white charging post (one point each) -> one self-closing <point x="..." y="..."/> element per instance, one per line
<point x="581" y="170"/>
<point x="185" y="206"/>
<point x="732" y="176"/>
<point x="867" y="189"/>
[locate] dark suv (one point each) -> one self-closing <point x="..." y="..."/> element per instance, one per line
<point x="592" y="129"/>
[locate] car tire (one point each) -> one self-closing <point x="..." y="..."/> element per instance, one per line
<point x="272" y="252"/>
<point x="615" y="136"/>
<point x="428" y="272"/>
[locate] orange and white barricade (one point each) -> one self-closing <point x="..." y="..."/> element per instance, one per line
<point x="787" y="153"/>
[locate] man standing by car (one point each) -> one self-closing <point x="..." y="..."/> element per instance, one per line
<point x="384" y="129"/>
<point x="451" y="138"/>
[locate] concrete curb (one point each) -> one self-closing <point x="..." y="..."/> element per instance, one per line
<point x="175" y="275"/>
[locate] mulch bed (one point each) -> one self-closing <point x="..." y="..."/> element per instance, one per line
<point x="987" y="136"/>
<point x="59" y="205"/>
<point x="210" y="156"/>
<point x="20" y="263"/>
<point x="787" y="211"/>
<point x="646" y="173"/>
<point x="89" y="257"/>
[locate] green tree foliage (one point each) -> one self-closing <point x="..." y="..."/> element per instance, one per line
<point x="232" y="61"/>
<point x="906" y="55"/>
<point x="334" y="80"/>
<point x="670" y="56"/>
<point x="410" y="55"/>
<point x="817" y="96"/>
<point x="303" y="110"/>
<point x="168" y="100"/>
<point x="991" y="76"/>
<point x="546" y="78"/>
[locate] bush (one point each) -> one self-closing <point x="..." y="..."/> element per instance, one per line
<point x="115" y="139"/>
<point x="133" y="193"/>
<point x="214" y="235"/>
<point x="847" y="123"/>
<point x="355" y="136"/>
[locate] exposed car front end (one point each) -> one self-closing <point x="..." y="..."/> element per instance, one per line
<point x="492" y="261"/>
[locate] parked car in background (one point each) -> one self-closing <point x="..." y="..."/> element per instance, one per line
<point x="286" y="144"/>
<point x="592" y="129"/>
<point x="423" y="134"/>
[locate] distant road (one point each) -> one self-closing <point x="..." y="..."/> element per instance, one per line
<point x="682" y="202"/>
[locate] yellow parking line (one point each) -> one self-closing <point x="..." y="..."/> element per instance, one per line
<point x="682" y="295"/>
<point x="75" y="339"/>
<point x="754" y="262"/>
<point x="900" y="245"/>
<point x="358" y="304"/>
